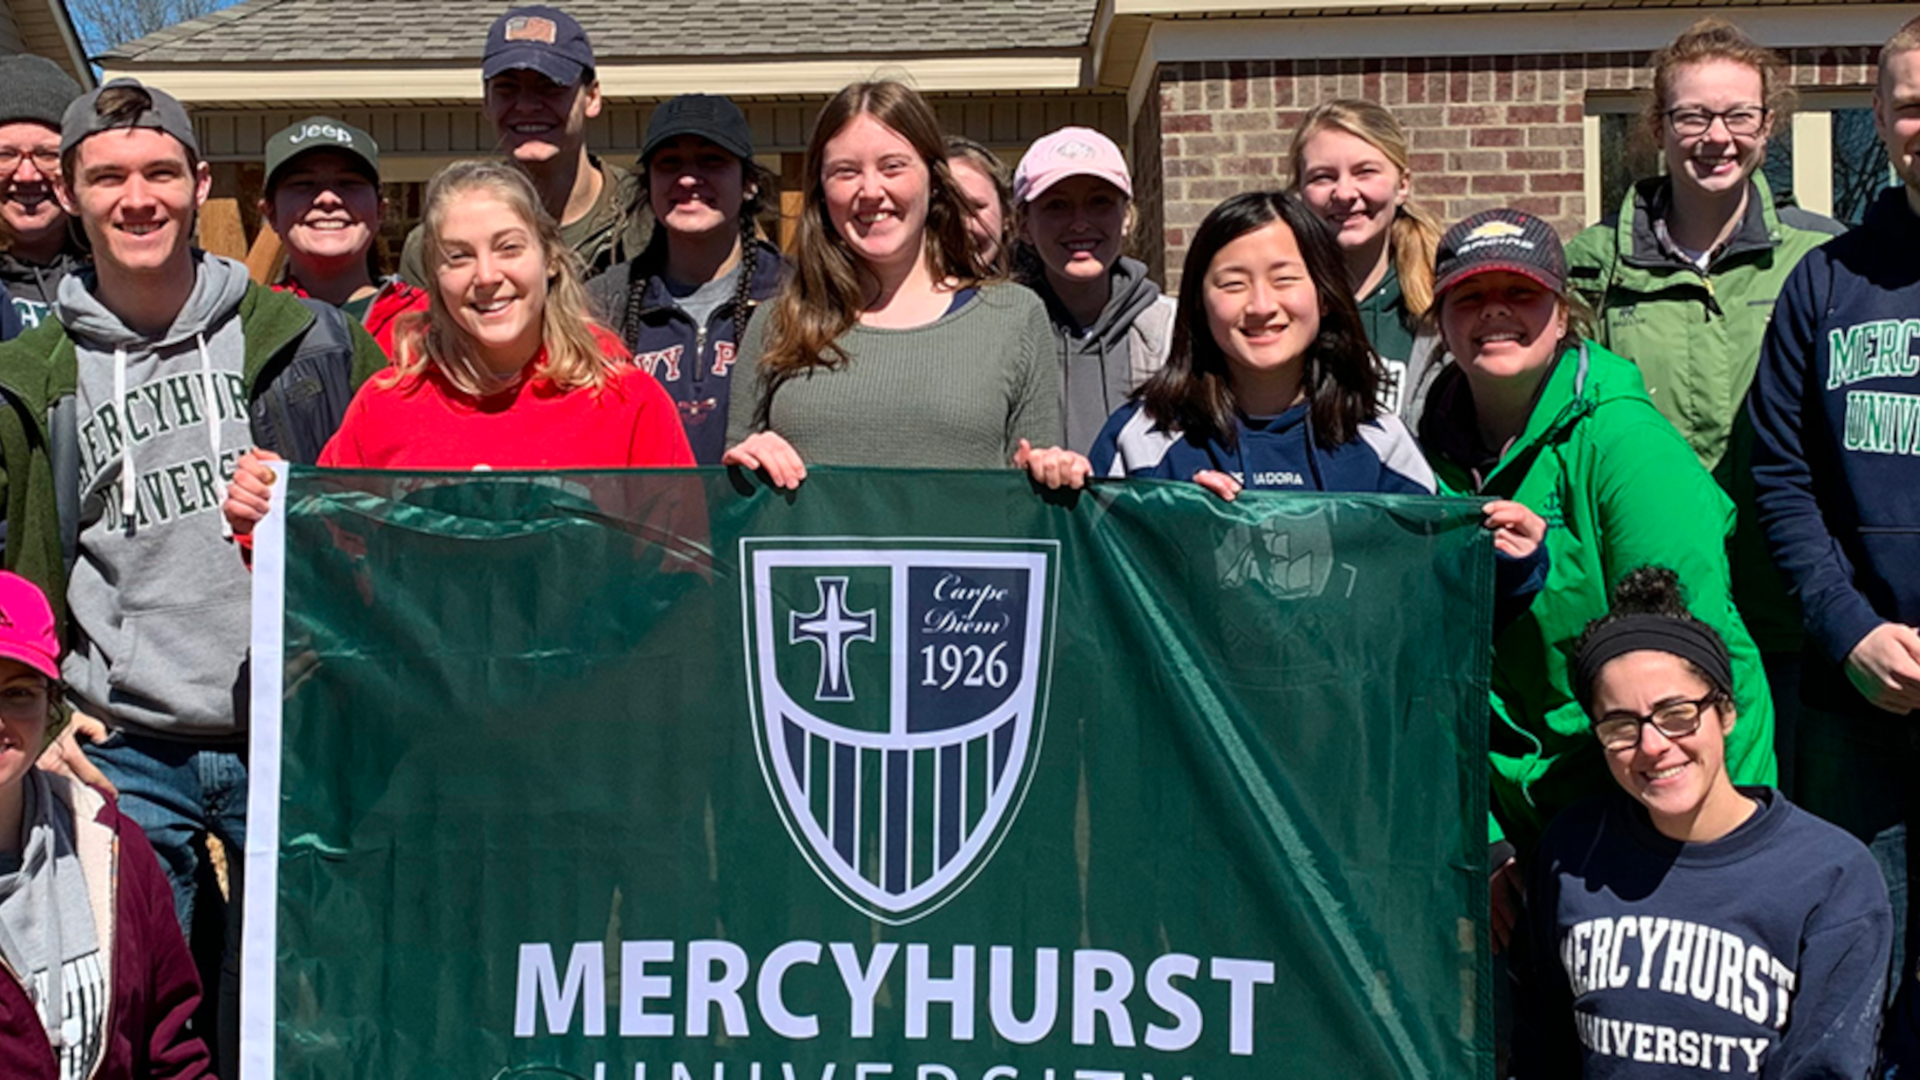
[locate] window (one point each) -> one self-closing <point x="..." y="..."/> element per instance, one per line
<point x="1629" y="153"/>
<point x="1826" y="158"/>
<point x="1860" y="166"/>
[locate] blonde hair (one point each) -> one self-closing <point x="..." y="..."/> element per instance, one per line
<point x="574" y="358"/>
<point x="1414" y="236"/>
<point x="1717" y="39"/>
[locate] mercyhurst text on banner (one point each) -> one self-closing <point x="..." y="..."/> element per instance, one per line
<point x="908" y="775"/>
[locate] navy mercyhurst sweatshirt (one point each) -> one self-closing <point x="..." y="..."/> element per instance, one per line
<point x="1763" y="953"/>
<point x="1836" y="461"/>
<point x="1278" y="453"/>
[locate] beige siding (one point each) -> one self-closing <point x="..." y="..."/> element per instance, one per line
<point x="40" y="31"/>
<point x="437" y="134"/>
<point x="10" y="40"/>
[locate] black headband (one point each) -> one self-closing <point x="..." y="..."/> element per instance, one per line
<point x="1685" y="638"/>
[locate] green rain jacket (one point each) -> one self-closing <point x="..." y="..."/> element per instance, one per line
<point x="1696" y="338"/>
<point x="1619" y="490"/>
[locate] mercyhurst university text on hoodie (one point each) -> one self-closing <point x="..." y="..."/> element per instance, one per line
<point x="158" y="599"/>
<point x="1836" y="459"/>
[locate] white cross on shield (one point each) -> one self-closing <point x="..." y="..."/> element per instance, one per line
<point x="899" y="695"/>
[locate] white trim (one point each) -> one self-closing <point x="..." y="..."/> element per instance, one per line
<point x="1144" y="70"/>
<point x="1102" y="24"/>
<point x="236" y="86"/>
<point x="1813" y="161"/>
<point x="1590" y="145"/>
<point x="75" y="50"/>
<point x="1479" y="34"/>
<point x="261" y="923"/>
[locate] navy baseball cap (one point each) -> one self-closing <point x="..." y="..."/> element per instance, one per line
<point x="542" y="39"/>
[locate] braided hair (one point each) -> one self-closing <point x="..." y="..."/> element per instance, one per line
<point x="652" y="260"/>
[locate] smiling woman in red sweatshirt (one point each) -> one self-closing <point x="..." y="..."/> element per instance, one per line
<point x="506" y="370"/>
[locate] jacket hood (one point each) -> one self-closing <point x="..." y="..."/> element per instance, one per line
<point x="1645" y="243"/>
<point x="1890" y="215"/>
<point x="769" y="267"/>
<point x="36" y="277"/>
<point x="218" y="285"/>
<point x="1584" y="377"/>
<point x="1132" y="294"/>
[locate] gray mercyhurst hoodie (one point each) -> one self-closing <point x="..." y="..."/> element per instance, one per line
<point x="1102" y="365"/>
<point x="159" y="598"/>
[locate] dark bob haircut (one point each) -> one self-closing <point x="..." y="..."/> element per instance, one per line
<point x="1194" y="391"/>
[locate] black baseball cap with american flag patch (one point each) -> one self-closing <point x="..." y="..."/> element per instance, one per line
<point x="542" y="39"/>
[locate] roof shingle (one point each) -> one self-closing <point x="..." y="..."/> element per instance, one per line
<point x="451" y="31"/>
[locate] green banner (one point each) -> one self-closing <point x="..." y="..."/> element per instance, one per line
<point x="908" y="775"/>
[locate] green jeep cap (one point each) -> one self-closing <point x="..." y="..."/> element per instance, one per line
<point x="321" y="133"/>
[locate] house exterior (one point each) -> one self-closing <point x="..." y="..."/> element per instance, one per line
<point x="1529" y="105"/>
<point x="1522" y="102"/>
<point x="43" y="28"/>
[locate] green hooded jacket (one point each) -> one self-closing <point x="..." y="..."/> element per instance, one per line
<point x="1695" y="335"/>
<point x="39" y="373"/>
<point x="1619" y="490"/>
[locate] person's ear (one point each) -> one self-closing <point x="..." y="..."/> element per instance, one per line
<point x="63" y="194"/>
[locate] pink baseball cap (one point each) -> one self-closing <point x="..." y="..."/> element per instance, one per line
<point x="26" y="626"/>
<point x="1071" y="151"/>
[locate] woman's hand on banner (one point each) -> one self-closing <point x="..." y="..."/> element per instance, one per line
<point x="1220" y="483"/>
<point x="1517" y="530"/>
<point x="770" y="455"/>
<point x="1053" y="466"/>
<point x="250" y="492"/>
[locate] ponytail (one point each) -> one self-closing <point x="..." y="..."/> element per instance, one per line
<point x="1414" y="239"/>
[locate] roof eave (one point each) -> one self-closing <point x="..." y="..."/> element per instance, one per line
<point x="62" y="45"/>
<point x="236" y="85"/>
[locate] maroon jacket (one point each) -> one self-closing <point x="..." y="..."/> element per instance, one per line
<point x="155" y="987"/>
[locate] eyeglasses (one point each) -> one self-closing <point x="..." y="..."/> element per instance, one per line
<point x="1675" y="720"/>
<point x="46" y="159"/>
<point x="1740" y="120"/>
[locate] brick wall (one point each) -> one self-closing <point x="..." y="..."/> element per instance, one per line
<point x="1149" y="183"/>
<point x="1485" y="130"/>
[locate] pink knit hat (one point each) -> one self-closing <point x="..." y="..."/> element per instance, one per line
<point x="1071" y="151"/>
<point x="26" y="626"/>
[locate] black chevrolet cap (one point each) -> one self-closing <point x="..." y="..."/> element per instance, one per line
<point x="1503" y="239"/>
<point x="709" y="116"/>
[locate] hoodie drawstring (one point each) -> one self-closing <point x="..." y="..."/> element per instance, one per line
<point x="209" y="388"/>
<point x="126" y="437"/>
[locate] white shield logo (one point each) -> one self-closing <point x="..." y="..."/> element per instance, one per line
<point x="899" y="693"/>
